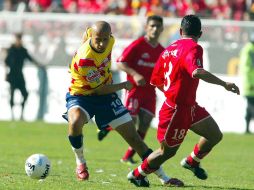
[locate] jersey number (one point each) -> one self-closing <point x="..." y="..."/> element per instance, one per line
<point x="167" y="76"/>
<point x="179" y="134"/>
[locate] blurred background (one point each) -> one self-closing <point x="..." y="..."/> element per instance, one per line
<point x="52" y="31"/>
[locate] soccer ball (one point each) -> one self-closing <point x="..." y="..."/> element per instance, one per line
<point x="37" y="166"/>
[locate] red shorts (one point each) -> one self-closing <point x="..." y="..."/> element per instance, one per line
<point x="175" y="122"/>
<point x="137" y="99"/>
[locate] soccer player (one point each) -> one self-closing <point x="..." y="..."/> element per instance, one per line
<point x="138" y="61"/>
<point x="177" y="73"/>
<point x="92" y="93"/>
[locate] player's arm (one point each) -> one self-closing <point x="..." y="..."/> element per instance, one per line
<point x="111" y="88"/>
<point x="210" y="78"/>
<point x="139" y="79"/>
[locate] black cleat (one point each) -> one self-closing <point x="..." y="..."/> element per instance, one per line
<point x="199" y="172"/>
<point x="102" y="134"/>
<point x="139" y="182"/>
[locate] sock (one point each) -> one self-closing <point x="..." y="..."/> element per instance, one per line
<point x="161" y="175"/>
<point x="77" y="147"/>
<point x="109" y="128"/>
<point x="146" y="154"/>
<point x="79" y="155"/>
<point x="195" y="157"/>
<point x="143" y="170"/>
<point x="130" y="151"/>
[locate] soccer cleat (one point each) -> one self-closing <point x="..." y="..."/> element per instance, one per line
<point x="128" y="161"/>
<point x="174" y="182"/>
<point x="102" y="134"/>
<point x="199" y="172"/>
<point x="139" y="182"/>
<point x="82" y="172"/>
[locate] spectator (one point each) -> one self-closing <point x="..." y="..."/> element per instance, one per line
<point x="246" y="70"/>
<point x="14" y="62"/>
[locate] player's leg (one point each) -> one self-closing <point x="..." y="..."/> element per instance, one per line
<point x="144" y="121"/>
<point x="134" y="101"/>
<point x="128" y="132"/>
<point x="128" y="155"/>
<point x="78" y="112"/>
<point x="77" y="118"/>
<point x="210" y="134"/>
<point x="152" y="164"/>
<point x="172" y="129"/>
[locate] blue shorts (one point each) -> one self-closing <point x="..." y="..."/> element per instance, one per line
<point x="107" y="109"/>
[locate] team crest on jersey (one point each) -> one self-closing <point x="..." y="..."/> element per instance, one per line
<point x="93" y="76"/>
<point x="145" y="56"/>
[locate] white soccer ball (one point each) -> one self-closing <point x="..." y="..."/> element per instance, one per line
<point x="37" y="166"/>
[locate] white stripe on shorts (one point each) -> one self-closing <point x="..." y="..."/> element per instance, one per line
<point x="121" y="120"/>
<point x="85" y="112"/>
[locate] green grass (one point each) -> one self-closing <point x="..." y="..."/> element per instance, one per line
<point x="229" y="165"/>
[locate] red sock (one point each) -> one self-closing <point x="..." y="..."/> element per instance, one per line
<point x="143" y="170"/>
<point x="130" y="152"/>
<point x="109" y="128"/>
<point x="195" y="157"/>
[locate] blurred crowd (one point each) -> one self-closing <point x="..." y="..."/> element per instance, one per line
<point x="216" y="9"/>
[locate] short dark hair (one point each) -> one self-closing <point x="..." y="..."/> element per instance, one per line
<point x="156" y="18"/>
<point x="19" y="35"/>
<point x="191" y="25"/>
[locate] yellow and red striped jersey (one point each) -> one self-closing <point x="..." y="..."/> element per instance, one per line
<point x="90" y="69"/>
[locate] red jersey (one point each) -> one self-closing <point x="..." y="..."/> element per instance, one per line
<point x="174" y="70"/>
<point x="141" y="56"/>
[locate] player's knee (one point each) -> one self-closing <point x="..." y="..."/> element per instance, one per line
<point x="167" y="152"/>
<point x="217" y="138"/>
<point x="75" y="125"/>
<point x="220" y="137"/>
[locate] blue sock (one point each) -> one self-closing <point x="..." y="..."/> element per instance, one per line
<point x="76" y="141"/>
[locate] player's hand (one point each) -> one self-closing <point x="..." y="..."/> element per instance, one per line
<point x="232" y="87"/>
<point x="128" y="85"/>
<point x="139" y="79"/>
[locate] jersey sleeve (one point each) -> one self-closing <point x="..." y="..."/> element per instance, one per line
<point x="193" y="60"/>
<point x="157" y="77"/>
<point x="128" y="55"/>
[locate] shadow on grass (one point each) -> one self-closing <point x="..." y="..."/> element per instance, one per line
<point x="213" y="187"/>
<point x="218" y="187"/>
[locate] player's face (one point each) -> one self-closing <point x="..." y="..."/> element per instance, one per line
<point x="100" y="41"/>
<point x="153" y="29"/>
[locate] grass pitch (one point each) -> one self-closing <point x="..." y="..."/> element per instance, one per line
<point x="229" y="166"/>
